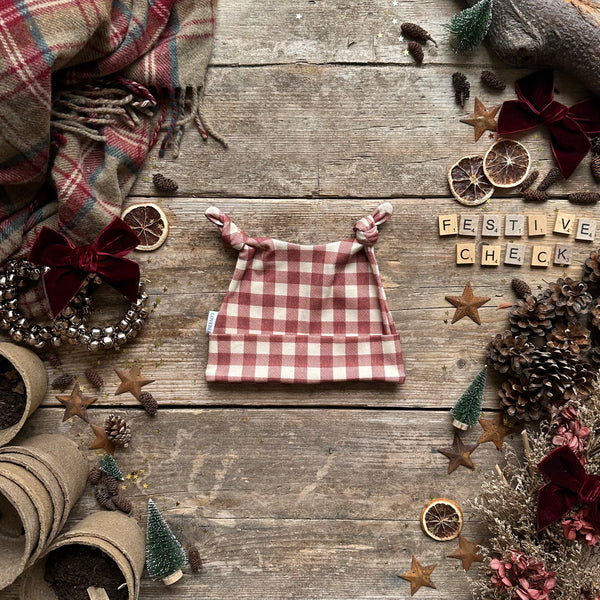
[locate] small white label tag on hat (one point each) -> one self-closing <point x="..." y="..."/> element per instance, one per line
<point x="212" y="319"/>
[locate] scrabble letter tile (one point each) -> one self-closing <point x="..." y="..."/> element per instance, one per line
<point x="541" y="256"/>
<point x="537" y="225"/>
<point x="564" y="223"/>
<point x="448" y="224"/>
<point x="468" y="225"/>
<point x="490" y="256"/>
<point x="586" y="230"/>
<point x="514" y="225"/>
<point x="465" y="254"/>
<point x="563" y="255"/>
<point x="491" y="226"/>
<point x="515" y="254"/>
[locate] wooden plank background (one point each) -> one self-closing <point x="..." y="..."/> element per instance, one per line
<point x="314" y="492"/>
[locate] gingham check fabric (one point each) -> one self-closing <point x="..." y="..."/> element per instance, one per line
<point x="304" y="314"/>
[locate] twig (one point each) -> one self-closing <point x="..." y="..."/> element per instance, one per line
<point x="528" y="453"/>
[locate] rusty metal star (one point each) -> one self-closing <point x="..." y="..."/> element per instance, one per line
<point x="467" y="305"/>
<point x="459" y="454"/>
<point x="467" y="552"/>
<point x="419" y="576"/>
<point x="76" y="404"/>
<point x="482" y="119"/>
<point x="131" y="381"/>
<point x="494" y="431"/>
<point x="102" y="440"/>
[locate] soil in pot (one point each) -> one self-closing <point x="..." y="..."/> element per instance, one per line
<point x="71" y="569"/>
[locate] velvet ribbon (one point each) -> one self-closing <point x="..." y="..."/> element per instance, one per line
<point x="70" y="264"/>
<point x="569" y="127"/>
<point x="569" y="485"/>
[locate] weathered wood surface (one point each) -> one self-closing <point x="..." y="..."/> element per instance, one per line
<point x="314" y="492"/>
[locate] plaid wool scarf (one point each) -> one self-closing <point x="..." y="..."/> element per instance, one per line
<point x="86" y="88"/>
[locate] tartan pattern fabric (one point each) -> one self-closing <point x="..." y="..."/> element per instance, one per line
<point x="80" y="83"/>
<point x="304" y="314"/>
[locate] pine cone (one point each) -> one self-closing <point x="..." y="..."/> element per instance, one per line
<point x="521" y="400"/>
<point x="117" y="430"/>
<point x="584" y="198"/>
<point x="591" y="268"/>
<point x="531" y="316"/>
<point x="416" y="32"/>
<point x="462" y="88"/>
<point x="164" y="184"/>
<point x="529" y="181"/>
<point x="112" y="485"/>
<point x="194" y="559"/>
<point x="594" y="357"/>
<point x="149" y="403"/>
<point x="416" y="51"/>
<point x="62" y="381"/>
<point x="595" y="312"/>
<point x="492" y="81"/>
<point x="53" y="359"/>
<point x="596" y="145"/>
<point x="94" y="378"/>
<point x="569" y="336"/>
<point x="569" y="297"/>
<point x="583" y="383"/>
<point x="521" y="288"/>
<point x="123" y="504"/>
<point x="507" y="353"/>
<point x="95" y="475"/>
<point x="104" y="499"/>
<point x="596" y="167"/>
<point x="551" y="178"/>
<point x="530" y="195"/>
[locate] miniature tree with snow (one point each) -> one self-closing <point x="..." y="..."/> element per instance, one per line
<point x="467" y="410"/>
<point x="108" y="465"/>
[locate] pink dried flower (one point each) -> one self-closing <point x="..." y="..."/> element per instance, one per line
<point x="570" y="432"/>
<point x="578" y="527"/>
<point x="526" y="578"/>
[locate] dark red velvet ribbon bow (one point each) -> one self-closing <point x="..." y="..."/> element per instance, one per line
<point x="569" y="485"/>
<point x="70" y="264"/>
<point x="569" y="127"/>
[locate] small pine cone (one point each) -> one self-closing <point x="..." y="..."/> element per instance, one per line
<point x="531" y="316"/>
<point x="569" y="297"/>
<point x="112" y="485"/>
<point x="584" y="198"/>
<point x="569" y="336"/>
<point x="123" y="504"/>
<point x="462" y="88"/>
<point x="416" y="51"/>
<point x="596" y="167"/>
<point x="591" y="268"/>
<point x="104" y="499"/>
<point x="521" y="288"/>
<point x="94" y="378"/>
<point x="529" y="181"/>
<point x="149" y="403"/>
<point x="507" y="353"/>
<point x="551" y="178"/>
<point x="416" y="32"/>
<point x="492" y="81"/>
<point x="117" y="430"/>
<point x="194" y="559"/>
<point x="164" y="184"/>
<point x="62" y="381"/>
<point x="95" y="475"/>
<point x="535" y="196"/>
<point x="53" y="359"/>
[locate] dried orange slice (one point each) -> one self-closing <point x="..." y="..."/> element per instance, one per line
<point x="442" y="519"/>
<point x="506" y="163"/>
<point x="149" y="222"/>
<point x="468" y="182"/>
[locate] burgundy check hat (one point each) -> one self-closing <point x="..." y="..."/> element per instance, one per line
<point x="304" y="314"/>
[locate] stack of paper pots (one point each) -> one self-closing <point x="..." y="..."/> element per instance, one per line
<point x="33" y="373"/>
<point x="40" y="481"/>
<point x="115" y="534"/>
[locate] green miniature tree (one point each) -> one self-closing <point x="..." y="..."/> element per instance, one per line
<point x="467" y="410"/>
<point x="471" y="25"/>
<point x="164" y="555"/>
<point x="109" y="466"/>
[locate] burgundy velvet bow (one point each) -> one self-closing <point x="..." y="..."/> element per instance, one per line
<point x="70" y="264"/>
<point x="569" y="127"/>
<point x="569" y="485"/>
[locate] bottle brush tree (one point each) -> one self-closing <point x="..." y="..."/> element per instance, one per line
<point x="467" y="410"/>
<point x="108" y="465"/>
<point x="471" y="25"/>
